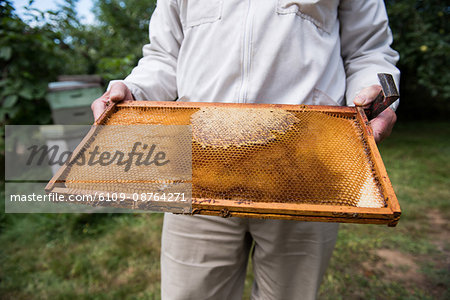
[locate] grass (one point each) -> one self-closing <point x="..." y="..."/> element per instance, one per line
<point x="106" y="256"/>
<point x="101" y="256"/>
<point x="411" y="260"/>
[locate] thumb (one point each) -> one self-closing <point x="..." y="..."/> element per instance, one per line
<point x="367" y="95"/>
<point x="118" y="92"/>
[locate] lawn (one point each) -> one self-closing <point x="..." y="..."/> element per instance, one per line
<point x="107" y="256"/>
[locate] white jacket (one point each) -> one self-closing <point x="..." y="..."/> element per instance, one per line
<point x="264" y="51"/>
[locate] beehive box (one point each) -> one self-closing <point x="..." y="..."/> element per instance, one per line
<point x="296" y="162"/>
<point x="71" y="101"/>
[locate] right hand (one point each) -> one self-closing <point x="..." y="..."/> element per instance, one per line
<point x="118" y="92"/>
<point x="381" y="125"/>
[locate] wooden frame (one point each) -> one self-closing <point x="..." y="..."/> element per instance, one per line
<point x="388" y="215"/>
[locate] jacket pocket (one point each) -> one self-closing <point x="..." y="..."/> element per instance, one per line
<point x="322" y="13"/>
<point x="198" y="12"/>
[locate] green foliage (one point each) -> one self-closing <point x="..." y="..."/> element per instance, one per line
<point x="421" y="35"/>
<point x="58" y="43"/>
<point x="125" y="22"/>
<point x="124" y="30"/>
<point x="27" y="62"/>
<point x="78" y="41"/>
<point x="115" y="67"/>
<point x="112" y="46"/>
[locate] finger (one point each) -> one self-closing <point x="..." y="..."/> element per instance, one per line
<point x="382" y="125"/>
<point x="119" y="92"/>
<point x="98" y="107"/>
<point x="367" y="95"/>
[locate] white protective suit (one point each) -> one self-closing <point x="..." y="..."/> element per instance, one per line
<point x="257" y="51"/>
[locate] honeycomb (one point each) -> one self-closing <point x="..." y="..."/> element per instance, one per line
<point x="253" y="155"/>
<point x="116" y="177"/>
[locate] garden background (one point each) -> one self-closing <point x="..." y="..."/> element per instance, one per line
<point x="115" y="256"/>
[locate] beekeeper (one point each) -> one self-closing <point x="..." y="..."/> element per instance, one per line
<point x="325" y="52"/>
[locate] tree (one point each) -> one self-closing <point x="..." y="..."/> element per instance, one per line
<point x="28" y="61"/>
<point x="124" y="27"/>
<point x="420" y="29"/>
<point x="58" y="43"/>
<point x="111" y="47"/>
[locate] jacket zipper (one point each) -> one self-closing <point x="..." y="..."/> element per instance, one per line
<point x="246" y="54"/>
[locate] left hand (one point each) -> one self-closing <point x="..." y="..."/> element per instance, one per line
<point x="382" y="125"/>
<point x="118" y="92"/>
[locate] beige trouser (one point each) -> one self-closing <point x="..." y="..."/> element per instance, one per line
<point x="205" y="257"/>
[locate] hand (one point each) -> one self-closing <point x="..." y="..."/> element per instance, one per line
<point x="118" y="92"/>
<point x="381" y="125"/>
